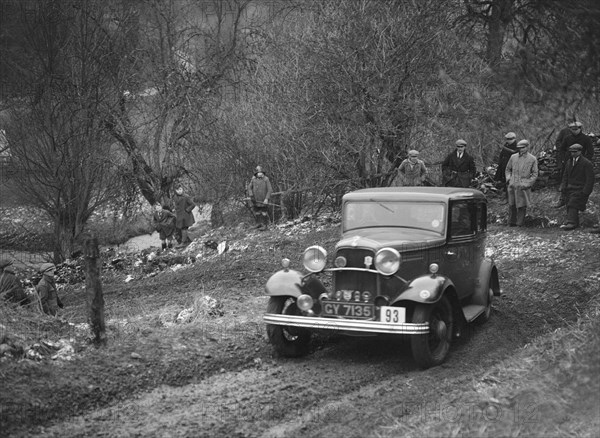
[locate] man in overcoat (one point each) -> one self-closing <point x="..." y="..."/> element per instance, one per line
<point x="507" y="150"/>
<point x="521" y="173"/>
<point x="183" y="215"/>
<point x="458" y="169"/>
<point x="412" y="171"/>
<point x="576" y="186"/>
<point x="575" y="136"/>
<point x="260" y="190"/>
<point x="46" y="289"/>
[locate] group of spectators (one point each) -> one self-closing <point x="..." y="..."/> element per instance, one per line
<point x="517" y="172"/>
<point x="174" y="225"/>
<point x="575" y="151"/>
<point x="458" y="168"/>
<point x="171" y="220"/>
<point x="12" y="291"/>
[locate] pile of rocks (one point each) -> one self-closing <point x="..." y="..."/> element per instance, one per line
<point x="549" y="171"/>
<point x="16" y="346"/>
<point x="596" y="160"/>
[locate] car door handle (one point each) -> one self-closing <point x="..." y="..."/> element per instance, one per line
<point x="451" y="255"/>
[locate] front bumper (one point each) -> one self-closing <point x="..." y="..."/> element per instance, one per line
<point x="350" y="325"/>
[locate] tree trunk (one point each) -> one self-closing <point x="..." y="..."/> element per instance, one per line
<point x="94" y="290"/>
<point x="154" y="183"/>
<point x="499" y="18"/>
<point x="64" y="242"/>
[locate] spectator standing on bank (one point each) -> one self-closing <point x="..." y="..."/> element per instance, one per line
<point x="164" y="222"/>
<point x="576" y="186"/>
<point x="507" y="150"/>
<point x="521" y="173"/>
<point x="46" y="289"/>
<point x="458" y="169"/>
<point x="184" y="218"/>
<point x="412" y="171"/>
<point x="11" y="288"/>
<point x="561" y="156"/>
<point x="260" y="190"/>
<point x="562" y="134"/>
<point x="576" y="136"/>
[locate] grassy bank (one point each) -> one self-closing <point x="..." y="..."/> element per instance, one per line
<point x="548" y="388"/>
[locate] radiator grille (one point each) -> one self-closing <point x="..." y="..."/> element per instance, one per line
<point x="355" y="280"/>
<point x="352" y="280"/>
<point x="355" y="257"/>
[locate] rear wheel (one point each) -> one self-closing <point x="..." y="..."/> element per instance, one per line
<point x="288" y="341"/>
<point x="431" y="349"/>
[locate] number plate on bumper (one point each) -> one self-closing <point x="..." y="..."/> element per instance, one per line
<point x="348" y="310"/>
<point x="393" y="315"/>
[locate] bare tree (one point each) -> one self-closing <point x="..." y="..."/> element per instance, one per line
<point x="169" y="82"/>
<point x="554" y="43"/>
<point x="57" y="142"/>
<point x="347" y="86"/>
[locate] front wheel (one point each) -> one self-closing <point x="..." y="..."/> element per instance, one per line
<point x="431" y="349"/>
<point x="288" y="341"/>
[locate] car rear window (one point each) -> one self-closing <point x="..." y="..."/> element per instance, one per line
<point x="429" y="216"/>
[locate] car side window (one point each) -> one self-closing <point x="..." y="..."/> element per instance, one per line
<point x="461" y="219"/>
<point x="481" y="216"/>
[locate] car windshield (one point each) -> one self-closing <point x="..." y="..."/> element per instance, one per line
<point x="405" y="214"/>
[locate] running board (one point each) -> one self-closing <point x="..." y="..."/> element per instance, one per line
<point x="472" y="311"/>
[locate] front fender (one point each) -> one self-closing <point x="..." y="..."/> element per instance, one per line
<point x="284" y="283"/>
<point x="434" y="284"/>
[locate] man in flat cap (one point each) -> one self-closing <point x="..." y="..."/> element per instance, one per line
<point x="521" y="173"/>
<point x="412" y="171"/>
<point x="562" y="134"/>
<point x="458" y="169"/>
<point x="260" y="190"/>
<point x="576" y="185"/>
<point x="507" y="149"/>
<point x="184" y="218"/>
<point x="46" y="288"/>
<point x="11" y="288"/>
<point x="576" y="136"/>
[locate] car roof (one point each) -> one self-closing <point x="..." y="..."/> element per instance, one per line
<point x="439" y="194"/>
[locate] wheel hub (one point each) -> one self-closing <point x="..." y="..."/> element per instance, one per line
<point x="440" y="330"/>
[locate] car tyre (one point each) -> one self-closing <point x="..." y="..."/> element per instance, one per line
<point x="288" y="341"/>
<point x="431" y="349"/>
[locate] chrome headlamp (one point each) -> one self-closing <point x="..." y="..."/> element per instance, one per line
<point x="387" y="261"/>
<point x="305" y="302"/>
<point x="314" y="258"/>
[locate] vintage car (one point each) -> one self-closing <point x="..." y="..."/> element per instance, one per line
<point x="411" y="262"/>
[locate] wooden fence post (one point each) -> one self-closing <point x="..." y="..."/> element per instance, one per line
<point x="94" y="290"/>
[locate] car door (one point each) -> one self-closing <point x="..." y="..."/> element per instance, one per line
<point x="461" y="255"/>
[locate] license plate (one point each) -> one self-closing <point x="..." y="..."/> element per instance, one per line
<point x="348" y="310"/>
<point x="392" y="315"/>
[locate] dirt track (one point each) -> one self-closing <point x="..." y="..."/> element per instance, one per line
<point x="359" y="387"/>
